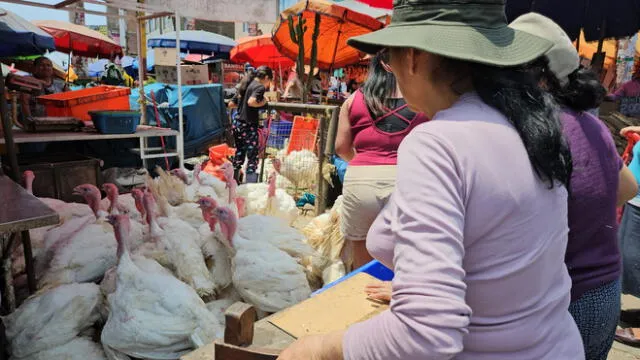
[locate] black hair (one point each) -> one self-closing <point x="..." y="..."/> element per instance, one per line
<point x="514" y="91"/>
<point x="260" y="73"/>
<point x="583" y="91"/>
<point x="379" y="87"/>
<point x="40" y="59"/>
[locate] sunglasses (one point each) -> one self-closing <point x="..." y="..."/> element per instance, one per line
<point x="383" y="55"/>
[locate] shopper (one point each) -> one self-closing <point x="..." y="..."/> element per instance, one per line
<point x="476" y="229"/>
<point x="599" y="183"/>
<point x="373" y="122"/>
<point x="252" y="100"/>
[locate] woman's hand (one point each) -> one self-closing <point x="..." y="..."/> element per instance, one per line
<point x="316" y="347"/>
<point x="379" y="291"/>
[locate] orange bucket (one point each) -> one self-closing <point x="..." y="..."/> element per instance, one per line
<point x="218" y="155"/>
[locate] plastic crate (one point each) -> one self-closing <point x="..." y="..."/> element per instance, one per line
<point x="58" y="173"/>
<point x="279" y="131"/>
<point x="374" y="268"/>
<point x="79" y="103"/>
<point x="115" y="122"/>
<point x="303" y="134"/>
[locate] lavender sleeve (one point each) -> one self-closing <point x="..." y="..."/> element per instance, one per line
<point x="428" y="317"/>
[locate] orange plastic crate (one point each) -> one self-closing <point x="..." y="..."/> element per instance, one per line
<point x="78" y="103"/>
<point x="303" y="134"/>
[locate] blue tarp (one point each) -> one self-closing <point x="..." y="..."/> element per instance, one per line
<point x="204" y="112"/>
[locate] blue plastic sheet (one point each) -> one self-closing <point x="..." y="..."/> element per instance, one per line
<point x="341" y="167"/>
<point x="204" y="112"/>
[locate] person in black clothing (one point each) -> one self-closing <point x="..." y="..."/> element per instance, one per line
<point x="250" y="101"/>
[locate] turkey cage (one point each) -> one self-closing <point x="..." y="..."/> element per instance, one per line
<point x="297" y="144"/>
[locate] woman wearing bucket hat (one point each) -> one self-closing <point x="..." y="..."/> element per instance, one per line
<point x="476" y="229"/>
<point x="599" y="183"/>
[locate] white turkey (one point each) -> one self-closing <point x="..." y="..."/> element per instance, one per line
<point x="120" y="204"/>
<point x="264" y="275"/>
<point x="153" y="314"/>
<point x="52" y="318"/>
<point x="89" y="252"/>
<point x="80" y="348"/>
<point x="66" y="212"/>
<point x="183" y="247"/>
<point x="260" y="228"/>
<point x="299" y="167"/>
<point x="194" y="189"/>
<point x="188" y="212"/>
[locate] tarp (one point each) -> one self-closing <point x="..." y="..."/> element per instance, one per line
<point x="203" y="110"/>
<point x="194" y="41"/>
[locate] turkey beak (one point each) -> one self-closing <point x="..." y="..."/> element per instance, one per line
<point x="77" y="191"/>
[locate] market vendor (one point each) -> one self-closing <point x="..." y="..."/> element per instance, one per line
<point x="476" y="229"/>
<point x="43" y="71"/>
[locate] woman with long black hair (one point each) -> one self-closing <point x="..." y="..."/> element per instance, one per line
<point x="372" y="124"/>
<point x="251" y="100"/>
<point x="476" y="229"/>
<point x="599" y="183"/>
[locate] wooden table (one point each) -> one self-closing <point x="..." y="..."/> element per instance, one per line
<point x="20" y="212"/>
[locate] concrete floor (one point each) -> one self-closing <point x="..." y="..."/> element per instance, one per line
<point x="623" y="352"/>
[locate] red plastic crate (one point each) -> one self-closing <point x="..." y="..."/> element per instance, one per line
<point x="78" y="103"/>
<point x="303" y="134"/>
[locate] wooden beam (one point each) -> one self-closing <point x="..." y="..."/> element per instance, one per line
<point x="64" y="3"/>
<point x="153" y="16"/>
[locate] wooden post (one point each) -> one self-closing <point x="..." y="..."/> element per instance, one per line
<point x="239" y="320"/>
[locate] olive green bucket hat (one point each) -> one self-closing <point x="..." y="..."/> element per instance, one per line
<point x="472" y="30"/>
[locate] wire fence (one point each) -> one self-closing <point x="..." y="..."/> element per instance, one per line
<point x="298" y="142"/>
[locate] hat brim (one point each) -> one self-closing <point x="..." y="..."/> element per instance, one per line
<point x="502" y="46"/>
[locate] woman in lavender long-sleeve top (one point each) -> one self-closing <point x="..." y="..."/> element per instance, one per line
<point x="476" y="230"/>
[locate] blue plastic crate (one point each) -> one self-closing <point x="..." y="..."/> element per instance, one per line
<point x="115" y="121"/>
<point x="374" y="268"/>
<point x="279" y="131"/>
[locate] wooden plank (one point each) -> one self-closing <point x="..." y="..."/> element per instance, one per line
<point x="231" y="352"/>
<point x="26" y="211"/>
<point x="335" y="309"/>
<point x="21" y="137"/>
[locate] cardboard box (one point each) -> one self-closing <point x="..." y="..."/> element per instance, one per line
<point x="164" y="56"/>
<point x="191" y="74"/>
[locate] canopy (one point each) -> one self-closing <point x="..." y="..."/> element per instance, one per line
<point x="80" y="40"/>
<point x="361" y="6"/>
<point x="194" y="41"/>
<point x="259" y="50"/>
<point x="22" y="38"/>
<point x="337" y="24"/>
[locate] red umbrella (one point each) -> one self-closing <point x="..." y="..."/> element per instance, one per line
<point x="80" y="40"/>
<point x="258" y="51"/>
<point x="383" y="4"/>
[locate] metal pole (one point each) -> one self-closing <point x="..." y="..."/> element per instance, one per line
<point x="141" y="70"/>
<point x="8" y="134"/>
<point x="180" y="137"/>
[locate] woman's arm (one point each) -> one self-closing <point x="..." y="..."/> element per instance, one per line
<point x="256" y="98"/>
<point x="425" y="216"/>
<point x="344" y="140"/>
<point x="627" y="186"/>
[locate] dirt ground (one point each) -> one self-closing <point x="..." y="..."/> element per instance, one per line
<point x="623" y="352"/>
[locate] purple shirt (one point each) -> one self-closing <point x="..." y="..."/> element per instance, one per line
<point x="593" y="256"/>
<point x="477" y="243"/>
